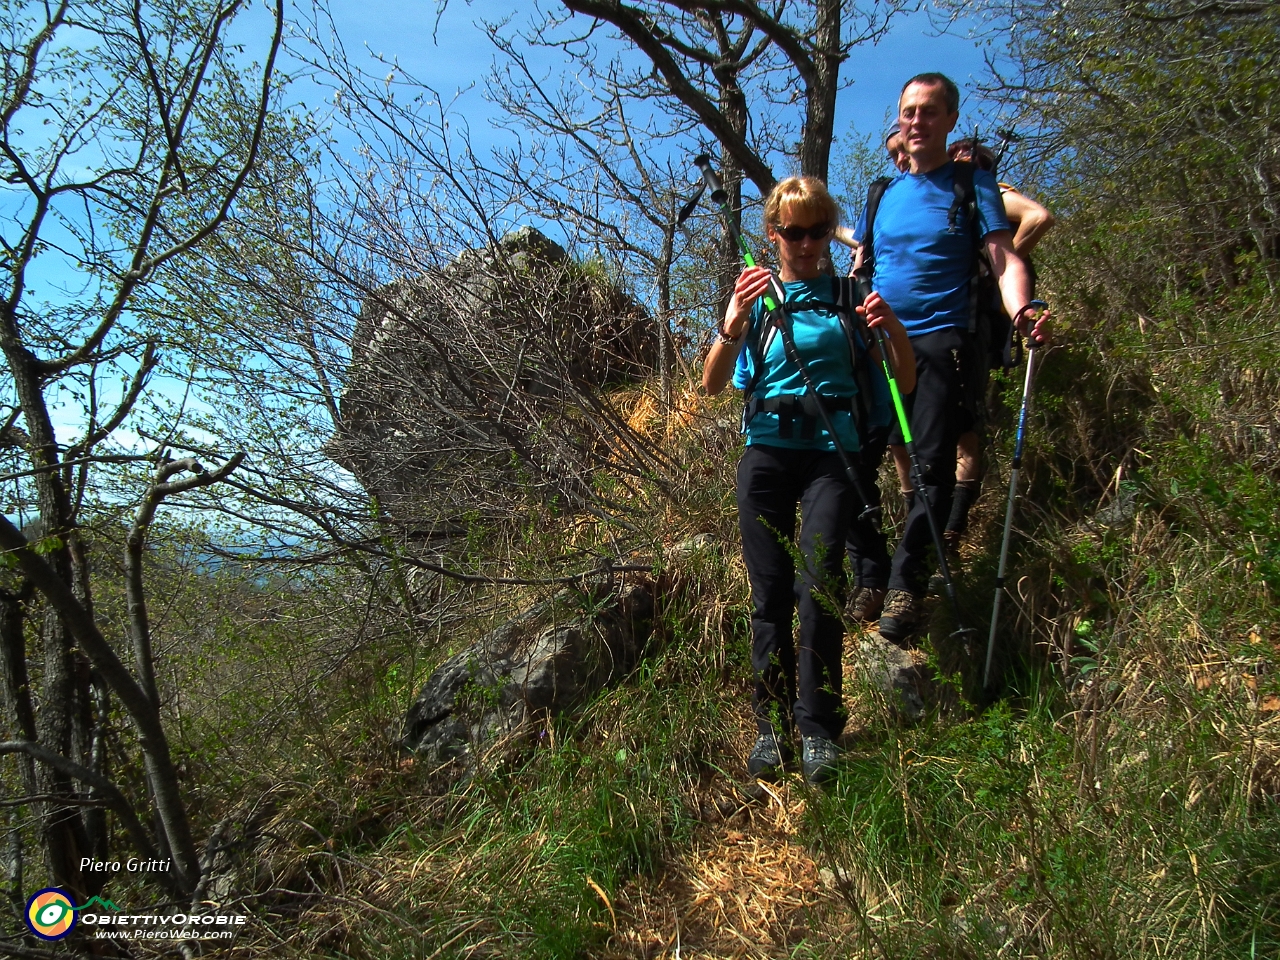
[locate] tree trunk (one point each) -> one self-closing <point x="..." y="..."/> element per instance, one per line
<point x="733" y="106"/>
<point x="820" y="92"/>
<point x="61" y="723"/>
<point x="17" y="683"/>
<point x="665" y="344"/>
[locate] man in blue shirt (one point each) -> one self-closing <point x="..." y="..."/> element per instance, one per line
<point x="923" y="268"/>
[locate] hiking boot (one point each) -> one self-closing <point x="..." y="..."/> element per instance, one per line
<point x="902" y="613"/>
<point x="819" y="759"/>
<point x="938" y="586"/>
<point x="770" y="754"/>
<point x="864" y="606"/>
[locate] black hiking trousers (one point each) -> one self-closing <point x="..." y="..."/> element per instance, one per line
<point x="938" y="410"/>
<point x="795" y="684"/>
<point x="866" y="544"/>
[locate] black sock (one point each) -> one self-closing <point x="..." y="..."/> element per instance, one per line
<point x="965" y="494"/>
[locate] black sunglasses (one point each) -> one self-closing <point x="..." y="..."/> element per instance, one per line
<point x="818" y="231"/>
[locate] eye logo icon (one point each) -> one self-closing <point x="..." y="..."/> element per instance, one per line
<point x="50" y="914"/>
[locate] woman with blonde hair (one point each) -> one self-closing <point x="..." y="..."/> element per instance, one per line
<point x="791" y="461"/>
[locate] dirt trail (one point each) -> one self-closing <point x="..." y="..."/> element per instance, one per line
<point x="746" y="887"/>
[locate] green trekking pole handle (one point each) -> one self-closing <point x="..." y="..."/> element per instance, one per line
<point x="773" y="301"/>
<point x="917" y="473"/>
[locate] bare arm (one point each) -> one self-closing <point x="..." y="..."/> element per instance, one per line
<point x="1030" y="221"/>
<point x="751" y="283"/>
<point x="719" y="366"/>
<point x="1015" y="285"/>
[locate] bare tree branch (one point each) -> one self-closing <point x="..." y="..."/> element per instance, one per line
<point x="116" y="800"/>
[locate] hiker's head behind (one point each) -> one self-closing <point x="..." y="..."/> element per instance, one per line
<point x="897" y="154"/>
<point x="980" y="155"/>
<point x="927" y="112"/>
<point x="800" y="200"/>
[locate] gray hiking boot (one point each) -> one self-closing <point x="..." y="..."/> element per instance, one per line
<point x="865" y="604"/>
<point x="819" y="759"/>
<point x="770" y="754"/>
<point x="901" y="615"/>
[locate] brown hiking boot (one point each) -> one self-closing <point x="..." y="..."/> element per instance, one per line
<point x="865" y="604"/>
<point x="901" y="614"/>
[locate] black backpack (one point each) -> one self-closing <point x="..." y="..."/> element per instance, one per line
<point x="988" y="321"/>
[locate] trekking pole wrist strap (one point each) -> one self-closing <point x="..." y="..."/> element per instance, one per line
<point x="1032" y="306"/>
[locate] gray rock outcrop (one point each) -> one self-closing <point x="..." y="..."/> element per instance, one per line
<point x="547" y="660"/>
<point x="895" y="673"/>
<point x="481" y="375"/>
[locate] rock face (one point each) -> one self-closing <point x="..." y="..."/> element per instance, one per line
<point x="895" y="673"/>
<point x="482" y="374"/>
<point x="548" y="659"/>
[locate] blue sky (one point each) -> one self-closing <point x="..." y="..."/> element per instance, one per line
<point x="456" y="56"/>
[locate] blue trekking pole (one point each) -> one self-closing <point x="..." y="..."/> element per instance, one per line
<point x="1013" y="493"/>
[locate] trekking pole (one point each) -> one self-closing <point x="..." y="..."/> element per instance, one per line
<point x="773" y="301"/>
<point x="917" y="473"/>
<point x="1013" y="493"/>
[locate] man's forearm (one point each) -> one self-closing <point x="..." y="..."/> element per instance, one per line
<point x="1015" y="284"/>
<point x="1010" y="270"/>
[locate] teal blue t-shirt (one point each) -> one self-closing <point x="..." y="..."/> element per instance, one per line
<point x="822" y="343"/>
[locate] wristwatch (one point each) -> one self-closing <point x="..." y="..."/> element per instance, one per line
<point x="722" y="337"/>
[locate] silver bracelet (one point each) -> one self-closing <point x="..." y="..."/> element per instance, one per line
<point x="722" y="337"/>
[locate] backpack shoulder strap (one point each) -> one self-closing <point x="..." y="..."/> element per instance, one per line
<point x="965" y="204"/>
<point x="755" y="334"/>
<point x="966" y="198"/>
<point x="875" y="193"/>
<point x="847" y="298"/>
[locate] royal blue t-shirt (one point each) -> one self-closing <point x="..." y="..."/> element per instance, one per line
<point x="821" y="341"/>
<point x="922" y="267"/>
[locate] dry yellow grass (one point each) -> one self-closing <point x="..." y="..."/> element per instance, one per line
<point x="744" y="888"/>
